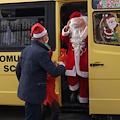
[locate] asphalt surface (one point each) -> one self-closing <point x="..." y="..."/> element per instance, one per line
<point x="18" y="113"/>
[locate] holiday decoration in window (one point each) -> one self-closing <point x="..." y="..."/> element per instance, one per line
<point x="107" y="28"/>
<point x="108" y="4"/>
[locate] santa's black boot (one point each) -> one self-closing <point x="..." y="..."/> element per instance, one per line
<point x="73" y="96"/>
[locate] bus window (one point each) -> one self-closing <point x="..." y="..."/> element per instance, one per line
<point x="106" y="28"/>
<point x="102" y="4"/>
<point x="15" y="24"/>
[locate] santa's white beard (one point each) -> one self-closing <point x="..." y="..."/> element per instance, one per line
<point x="112" y="25"/>
<point x="75" y="31"/>
<point x="78" y="42"/>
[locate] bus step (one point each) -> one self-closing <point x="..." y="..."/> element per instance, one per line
<point x="76" y="107"/>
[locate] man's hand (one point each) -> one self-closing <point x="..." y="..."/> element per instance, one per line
<point x="54" y="61"/>
<point x="61" y="63"/>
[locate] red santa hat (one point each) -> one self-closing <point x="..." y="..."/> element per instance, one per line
<point x="109" y="16"/>
<point x="74" y="16"/>
<point x="38" y="31"/>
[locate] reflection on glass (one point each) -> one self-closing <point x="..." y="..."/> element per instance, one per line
<point x="16" y="23"/>
<point x="107" y="28"/>
<point x="16" y="32"/>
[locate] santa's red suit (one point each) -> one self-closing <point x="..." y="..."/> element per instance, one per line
<point x="77" y="63"/>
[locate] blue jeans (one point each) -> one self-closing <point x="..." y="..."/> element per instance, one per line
<point x="32" y="111"/>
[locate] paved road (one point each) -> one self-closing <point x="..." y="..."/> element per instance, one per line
<point x="17" y="113"/>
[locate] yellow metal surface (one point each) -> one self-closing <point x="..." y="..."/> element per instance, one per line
<point x="104" y="96"/>
<point x="56" y="54"/>
<point x="8" y="79"/>
<point x="104" y="80"/>
<point x="8" y="90"/>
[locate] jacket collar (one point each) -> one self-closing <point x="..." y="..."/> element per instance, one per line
<point x="40" y="44"/>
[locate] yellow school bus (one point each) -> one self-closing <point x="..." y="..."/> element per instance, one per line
<point x="16" y="19"/>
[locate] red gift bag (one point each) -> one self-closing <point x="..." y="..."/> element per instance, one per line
<point x="63" y="56"/>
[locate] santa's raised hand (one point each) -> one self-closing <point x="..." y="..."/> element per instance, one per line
<point x="81" y="23"/>
<point x="67" y="26"/>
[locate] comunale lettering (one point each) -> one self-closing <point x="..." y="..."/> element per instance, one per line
<point x="9" y="58"/>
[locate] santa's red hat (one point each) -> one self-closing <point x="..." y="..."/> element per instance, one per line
<point x="38" y="31"/>
<point x="74" y="16"/>
<point x="109" y="16"/>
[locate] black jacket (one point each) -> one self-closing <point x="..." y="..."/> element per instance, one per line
<point x="31" y="71"/>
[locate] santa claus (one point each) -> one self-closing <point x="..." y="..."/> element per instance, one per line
<point x="75" y="33"/>
<point x="111" y="31"/>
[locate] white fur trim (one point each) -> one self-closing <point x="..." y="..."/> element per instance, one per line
<point x="40" y="34"/>
<point x="109" y="37"/>
<point x="73" y="73"/>
<point x="84" y="33"/>
<point x="111" y="18"/>
<point x="82" y="99"/>
<point x="108" y="33"/>
<point x="74" y="88"/>
<point x="65" y="33"/>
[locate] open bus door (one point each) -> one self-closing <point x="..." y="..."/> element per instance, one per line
<point x="104" y="57"/>
<point x="67" y="9"/>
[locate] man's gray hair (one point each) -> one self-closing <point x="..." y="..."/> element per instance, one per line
<point x="35" y="39"/>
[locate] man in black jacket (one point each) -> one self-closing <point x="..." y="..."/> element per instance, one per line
<point x="31" y="71"/>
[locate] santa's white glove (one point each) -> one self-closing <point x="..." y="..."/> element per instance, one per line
<point x="104" y="28"/>
<point x="61" y="63"/>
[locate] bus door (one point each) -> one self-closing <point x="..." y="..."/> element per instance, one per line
<point x="104" y="56"/>
<point x="66" y="10"/>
